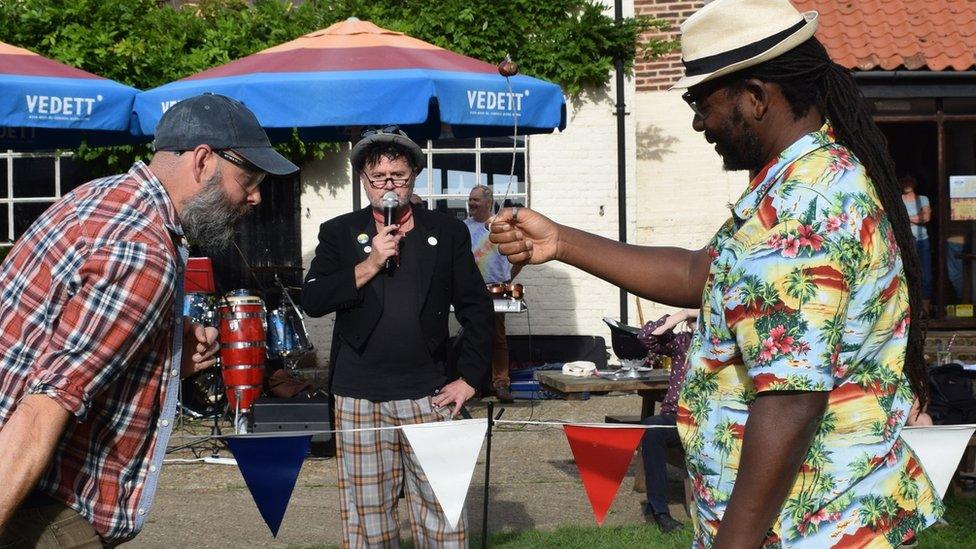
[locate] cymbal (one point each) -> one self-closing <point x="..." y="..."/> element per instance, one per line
<point x="276" y="269"/>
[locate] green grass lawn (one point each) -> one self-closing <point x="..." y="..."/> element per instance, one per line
<point x="961" y="515"/>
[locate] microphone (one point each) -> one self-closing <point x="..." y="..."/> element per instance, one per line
<point x="390" y="203"/>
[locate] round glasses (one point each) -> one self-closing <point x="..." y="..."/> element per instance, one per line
<point x="382" y="183"/>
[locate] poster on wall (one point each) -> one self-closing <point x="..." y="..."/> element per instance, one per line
<point x="962" y="197"/>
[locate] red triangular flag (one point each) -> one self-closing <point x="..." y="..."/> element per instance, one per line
<point x="602" y="455"/>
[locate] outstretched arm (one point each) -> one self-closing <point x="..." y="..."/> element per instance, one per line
<point x="672" y="276"/>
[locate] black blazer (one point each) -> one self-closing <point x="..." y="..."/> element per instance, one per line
<point x="449" y="277"/>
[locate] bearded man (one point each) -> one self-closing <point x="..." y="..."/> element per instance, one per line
<point x="91" y="327"/>
<point x="808" y="353"/>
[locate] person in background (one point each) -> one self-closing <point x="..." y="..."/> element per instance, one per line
<point x="391" y="289"/>
<point x="919" y="214"/>
<point x="495" y="269"/>
<point x="92" y="339"/>
<point x="660" y="337"/>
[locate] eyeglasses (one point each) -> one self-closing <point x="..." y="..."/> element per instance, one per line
<point x="255" y="174"/>
<point x="692" y="101"/>
<point x="381" y="183"/>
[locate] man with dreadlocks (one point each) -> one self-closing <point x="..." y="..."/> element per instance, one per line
<point x="808" y="353"/>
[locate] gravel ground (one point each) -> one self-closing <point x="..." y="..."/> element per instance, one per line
<point x="534" y="486"/>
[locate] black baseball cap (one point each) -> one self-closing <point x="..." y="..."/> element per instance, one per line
<point x="222" y="123"/>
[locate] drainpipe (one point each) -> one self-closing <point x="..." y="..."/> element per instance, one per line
<point x="621" y="113"/>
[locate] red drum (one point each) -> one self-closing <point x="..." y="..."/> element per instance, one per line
<point x="242" y="347"/>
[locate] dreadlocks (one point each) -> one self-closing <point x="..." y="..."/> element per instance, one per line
<point x="809" y="78"/>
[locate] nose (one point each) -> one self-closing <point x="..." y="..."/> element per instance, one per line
<point x="697" y="123"/>
<point x="254" y="198"/>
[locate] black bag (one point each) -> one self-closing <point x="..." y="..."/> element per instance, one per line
<point x="952" y="396"/>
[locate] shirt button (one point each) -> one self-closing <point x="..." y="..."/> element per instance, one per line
<point x="141" y="511"/>
<point x="175" y="371"/>
<point x="164" y="422"/>
<point x="152" y="468"/>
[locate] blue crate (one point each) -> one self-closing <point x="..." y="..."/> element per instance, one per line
<point x="529" y="390"/>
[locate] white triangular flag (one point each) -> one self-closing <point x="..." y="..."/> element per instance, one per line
<point x="447" y="452"/>
<point x="939" y="448"/>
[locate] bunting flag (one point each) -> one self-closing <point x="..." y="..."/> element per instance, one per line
<point x="602" y="454"/>
<point x="447" y="452"/>
<point x="270" y="464"/>
<point x="939" y="448"/>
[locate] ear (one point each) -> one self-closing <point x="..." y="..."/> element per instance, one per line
<point x="199" y="156"/>
<point x="757" y="95"/>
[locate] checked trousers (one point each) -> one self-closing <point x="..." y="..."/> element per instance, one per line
<point x="372" y="467"/>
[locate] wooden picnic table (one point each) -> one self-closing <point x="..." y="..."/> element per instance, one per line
<point x="652" y="387"/>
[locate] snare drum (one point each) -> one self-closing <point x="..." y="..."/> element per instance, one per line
<point x="202" y="394"/>
<point x="242" y="347"/>
<point x="287" y="337"/>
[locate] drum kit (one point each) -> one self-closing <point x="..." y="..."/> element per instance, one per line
<point x="249" y="336"/>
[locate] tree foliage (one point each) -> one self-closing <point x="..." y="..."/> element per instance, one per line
<point x="147" y="43"/>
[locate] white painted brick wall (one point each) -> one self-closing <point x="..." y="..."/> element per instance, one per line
<point x="573" y="180"/>
<point x="682" y="193"/>
<point x="326" y="193"/>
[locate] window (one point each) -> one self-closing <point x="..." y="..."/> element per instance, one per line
<point x="455" y="166"/>
<point x="29" y="184"/>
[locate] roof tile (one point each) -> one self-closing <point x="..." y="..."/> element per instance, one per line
<point x="897" y="34"/>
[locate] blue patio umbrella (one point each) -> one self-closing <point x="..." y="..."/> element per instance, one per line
<point x="45" y="104"/>
<point x="331" y="82"/>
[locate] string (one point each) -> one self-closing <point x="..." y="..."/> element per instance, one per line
<point x="430" y="424"/>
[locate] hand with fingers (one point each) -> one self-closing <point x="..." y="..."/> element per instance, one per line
<point x="525" y="236"/>
<point x="675" y="319"/>
<point x="386" y="244"/>
<point x="454" y="394"/>
<point x="200" y="348"/>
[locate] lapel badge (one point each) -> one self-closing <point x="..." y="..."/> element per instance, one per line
<point x="432" y="240"/>
<point x="362" y="238"/>
<point x="368" y="249"/>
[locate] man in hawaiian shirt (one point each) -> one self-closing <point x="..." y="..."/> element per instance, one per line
<point x="806" y="359"/>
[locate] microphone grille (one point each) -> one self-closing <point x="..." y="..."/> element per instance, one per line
<point x="390" y="199"/>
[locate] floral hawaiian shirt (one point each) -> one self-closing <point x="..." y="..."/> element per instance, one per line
<point x="806" y="291"/>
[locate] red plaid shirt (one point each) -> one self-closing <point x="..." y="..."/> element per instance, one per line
<point x="87" y="318"/>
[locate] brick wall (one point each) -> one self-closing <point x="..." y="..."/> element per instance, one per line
<point x="661" y="72"/>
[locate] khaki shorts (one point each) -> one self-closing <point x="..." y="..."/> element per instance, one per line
<point x="54" y="526"/>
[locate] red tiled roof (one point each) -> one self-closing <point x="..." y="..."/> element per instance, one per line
<point x="937" y="35"/>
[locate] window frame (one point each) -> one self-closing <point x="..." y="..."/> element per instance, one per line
<point x="8" y="157"/>
<point x="425" y="189"/>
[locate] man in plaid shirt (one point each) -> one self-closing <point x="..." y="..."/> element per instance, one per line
<point x="91" y="327"/>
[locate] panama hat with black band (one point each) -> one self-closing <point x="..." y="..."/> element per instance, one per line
<point x="727" y="36"/>
<point x="389" y="134"/>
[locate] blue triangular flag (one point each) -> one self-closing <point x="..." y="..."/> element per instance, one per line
<point x="270" y="467"/>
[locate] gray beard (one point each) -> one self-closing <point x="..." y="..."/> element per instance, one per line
<point x="209" y="218"/>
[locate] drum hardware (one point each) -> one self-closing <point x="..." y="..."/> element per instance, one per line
<point x="287" y="336"/>
<point x="502" y="290"/>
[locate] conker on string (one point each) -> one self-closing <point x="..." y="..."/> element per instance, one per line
<point x="507" y="67"/>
